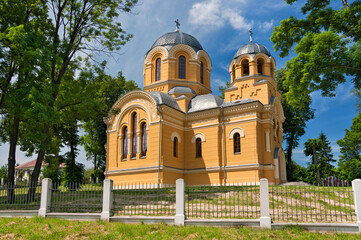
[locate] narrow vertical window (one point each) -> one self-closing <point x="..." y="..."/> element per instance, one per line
<point x="201" y="70"/>
<point x="175" y="147"/>
<point x="233" y="76"/>
<point x="134" y="139"/>
<point x="125" y="143"/>
<point x="144" y="139"/>
<point x="236" y="143"/>
<point x="157" y="69"/>
<point x="260" y="66"/>
<point x="245" y="67"/>
<point x="198" y="147"/>
<point x="182" y="67"/>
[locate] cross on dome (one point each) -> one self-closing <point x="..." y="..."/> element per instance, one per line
<point x="250" y="35"/>
<point x="177" y="24"/>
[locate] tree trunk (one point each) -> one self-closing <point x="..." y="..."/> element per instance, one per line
<point x="289" y="151"/>
<point x="11" y="159"/>
<point x="39" y="160"/>
<point x="316" y="164"/>
<point x="345" y="4"/>
<point x="95" y="162"/>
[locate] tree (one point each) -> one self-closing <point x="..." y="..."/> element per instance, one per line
<point x="109" y="89"/>
<point x="4" y="172"/>
<point x="294" y="125"/>
<point x="22" y="41"/>
<point x="320" y="151"/>
<point x="221" y="89"/>
<point x="75" y="26"/>
<point x="349" y="165"/>
<point x="327" y="47"/>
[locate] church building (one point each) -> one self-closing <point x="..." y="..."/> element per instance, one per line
<point x="175" y="128"/>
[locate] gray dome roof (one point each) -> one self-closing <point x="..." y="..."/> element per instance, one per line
<point x="168" y="40"/>
<point x="252" y="48"/>
<point x="203" y="102"/>
<point x="182" y="90"/>
<point x="163" y="98"/>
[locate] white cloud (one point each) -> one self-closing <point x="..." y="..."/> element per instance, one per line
<point x="213" y="13"/>
<point x="264" y="27"/>
<point x="206" y="13"/>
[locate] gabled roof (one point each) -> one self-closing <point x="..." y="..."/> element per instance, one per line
<point x="31" y="165"/>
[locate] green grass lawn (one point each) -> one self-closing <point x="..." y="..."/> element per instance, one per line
<point x="39" y="228"/>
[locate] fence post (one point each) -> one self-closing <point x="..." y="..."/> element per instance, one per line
<point x="180" y="202"/>
<point x="45" y="201"/>
<point x="107" y="200"/>
<point x="356" y="187"/>
<point x="265" y="220"/>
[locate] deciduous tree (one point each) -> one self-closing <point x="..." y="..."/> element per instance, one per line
<point x="349" y="165"/>
<point x="327" y="47"/>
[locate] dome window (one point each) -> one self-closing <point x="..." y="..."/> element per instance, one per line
<point x="157" y="69"/>
<point x="233" y="73"/>
<point x="260" y="66"/>
<point x="201" y="71"/>
<point x="245" y="67"/>
<point x="182" y="67"/>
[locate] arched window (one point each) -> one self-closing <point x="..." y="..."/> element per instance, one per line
<point x="175" y="147"/>
<point x="233" y="73"/>
<point x="245" y="67"/>
<point x="144" y="139"/>
<point x="157" y="69"/>
<point x="201" y="70"/>
<point x="236" y="143"/>
<point x="198" y="147"/>
<point x="134" y="138"/>
<point x="125" y="142"/>
<point x="260" y="66"/>
<point x="182" y="67"/>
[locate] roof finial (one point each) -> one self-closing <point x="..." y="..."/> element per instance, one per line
<point x="177" y="24"/>
<point x="250" y="35"/>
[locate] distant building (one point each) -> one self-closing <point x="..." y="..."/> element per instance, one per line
<point x="175" y="128"/>
<point x="25" y="170"/>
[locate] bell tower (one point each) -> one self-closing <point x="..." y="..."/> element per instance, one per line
<point x="252" y="74"/>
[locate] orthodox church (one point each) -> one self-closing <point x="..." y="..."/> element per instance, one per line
<point x="175" y="128"/>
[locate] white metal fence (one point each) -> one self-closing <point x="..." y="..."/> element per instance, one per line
<point x="277" y="203"/>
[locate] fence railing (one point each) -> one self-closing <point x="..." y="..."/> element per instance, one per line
<point x="231" y="201"/>
<point x="311" y="204"/>
<point x="261" y="201"/>
<point x="76" y="197"/>
<point x="144" y="200"/>
<point x="20" y="196"/>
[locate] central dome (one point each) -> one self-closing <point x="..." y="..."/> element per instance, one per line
<point x="168" y="40"/>
<point x="252" y="48"/>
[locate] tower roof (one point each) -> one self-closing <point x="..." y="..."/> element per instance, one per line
<point x="168" y="40"/>
<point x="252" y="48"/>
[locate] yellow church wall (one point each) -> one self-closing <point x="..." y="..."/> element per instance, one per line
<point x="269" y="174"/>
<point x="112" y="151"/>
<point x="167" y="151"/>
<point x="202" y="178"/>
<point x="249" y="153"/>
<point x="171" y="177"/>
<point x="134" y="178"/>
<point x="210" y="148"/>
<point x="248" y="176"/>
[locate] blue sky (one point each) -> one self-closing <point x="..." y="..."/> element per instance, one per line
<point x="221" y="26"/>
